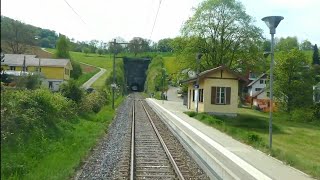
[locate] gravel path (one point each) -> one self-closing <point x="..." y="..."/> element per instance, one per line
<point x="103" y="162"/>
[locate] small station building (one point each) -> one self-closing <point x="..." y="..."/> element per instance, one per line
<point x="218" y="91"/>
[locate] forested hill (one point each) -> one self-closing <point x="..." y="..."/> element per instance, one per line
<point x="31" y="35"/>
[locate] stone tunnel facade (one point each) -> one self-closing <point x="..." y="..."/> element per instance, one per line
<point x="135" y="72"/>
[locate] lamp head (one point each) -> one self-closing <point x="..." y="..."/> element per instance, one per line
<point x="272" y="22"/>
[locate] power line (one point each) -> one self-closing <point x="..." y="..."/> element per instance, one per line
<point x="155" y="20"/>
<point x="74" y="11"/>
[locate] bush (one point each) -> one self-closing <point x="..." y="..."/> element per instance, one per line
<point x="93" y="102"/>
<point x="32" y="112"/>
<point x="72" y="91"/>
<point x="191" y="114"/>
<point x="316" y="111"/>
<point x="253" y="138"/>
<point x="302" y="115"/>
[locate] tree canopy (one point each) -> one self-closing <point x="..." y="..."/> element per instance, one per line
<point x="224" y="33"/>
<point x="293" y="80"/>
<point x="164" y="45"/>
<point x="138" y="45"/>
<point x="16" y="35"/>
<point x="287" y="44"/>
<point x="62" y="47"/>
<point x="306" y="45"/>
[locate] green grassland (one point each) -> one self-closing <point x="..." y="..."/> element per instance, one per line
<point x="103" y="61"/>
<point x="295" y="143"/>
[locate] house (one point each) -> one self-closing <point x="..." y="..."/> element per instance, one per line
<point x="218" y="91"/>
<point x="54" y="71"/>
<point x="257" y="85"/>
<point x="258" y="94"/>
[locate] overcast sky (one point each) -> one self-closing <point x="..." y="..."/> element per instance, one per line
<point x="106" y="19"/>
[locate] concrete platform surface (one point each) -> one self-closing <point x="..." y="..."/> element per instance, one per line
<point x="218" y="152"/>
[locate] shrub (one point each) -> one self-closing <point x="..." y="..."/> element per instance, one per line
<point x="29" y="121"/>
<point x="302" y="115"/>
<point x="316" y="111"/>
<point x="32" y="112"/>
<point x="253" y="138"/>
<point x="191" y="114"/>
<point x="72" y="91"/>
<point x="93" y="102"/>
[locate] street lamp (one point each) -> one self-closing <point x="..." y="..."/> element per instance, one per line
<point x="272" y="22"/>
<point x="198" y="57"/>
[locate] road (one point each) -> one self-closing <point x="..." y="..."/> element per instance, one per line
<point x="87" y="84"/>
<point x="172" y="94"/>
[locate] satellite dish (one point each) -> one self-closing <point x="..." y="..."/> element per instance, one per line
<point x="192" y="74"/>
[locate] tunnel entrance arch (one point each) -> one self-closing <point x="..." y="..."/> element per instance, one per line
<point x="135" y="72"/>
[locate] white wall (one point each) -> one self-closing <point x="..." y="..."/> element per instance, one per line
<point x="252" y="89"/>
<point x="55" y="84"/>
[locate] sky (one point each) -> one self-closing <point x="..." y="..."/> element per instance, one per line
<point x="107" y="19"/>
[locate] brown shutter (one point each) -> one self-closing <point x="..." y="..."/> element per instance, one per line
<point x="213" y="95"/>
<point x="228" y="97"/>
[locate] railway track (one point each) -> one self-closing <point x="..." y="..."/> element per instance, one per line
<point x="150" y="157"/>
<point x="152" y="152"/>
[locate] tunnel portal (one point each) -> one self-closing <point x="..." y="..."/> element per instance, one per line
<point x="135" y="72"/>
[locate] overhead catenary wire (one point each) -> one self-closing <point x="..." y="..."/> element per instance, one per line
<point x="155" y="20"/>
<point x="74" y="11"/>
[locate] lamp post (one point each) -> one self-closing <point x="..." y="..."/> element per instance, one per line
<point x="272" y="22"/>
<point x="198" y="57"/>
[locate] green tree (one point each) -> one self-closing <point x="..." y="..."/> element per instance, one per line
<point x="93" y="45"/>
<point x="224" y="33"/>
<point x="86" y="50"/>
<point x="138" y="45"/>
<point x="293" y="80"/>
<point x="315" y="56"/>
<point x="62" y="47"/>
<point x="164" y="45"/>
<point x="306" y="45"/>
<point x="100" y="51"/>
<point x="76" y="70"/>
<point x="16" y="35"/>
<point x="287" y="44"/>
<point x="45" y="42"/>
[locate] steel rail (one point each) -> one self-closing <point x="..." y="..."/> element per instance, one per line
<point x="173" y="163"/>
<point x="132" y="143"/>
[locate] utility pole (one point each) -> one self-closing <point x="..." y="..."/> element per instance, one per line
<point x="114" y="71"/>
<point x="114" y="85"/>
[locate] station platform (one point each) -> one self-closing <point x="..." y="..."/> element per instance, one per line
<point x="221" y="156"/>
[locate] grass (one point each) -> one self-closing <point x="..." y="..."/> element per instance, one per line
<point x="103" y="61"/>
<point x="63" y="156"/>
<point x="101" y="82"/>
<point x="86" y="75"/>
<point x="295" y="143"/>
